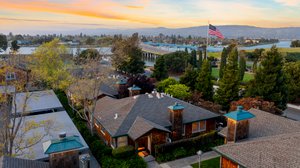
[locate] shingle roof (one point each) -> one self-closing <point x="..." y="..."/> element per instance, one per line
<point x="153" y="109"/>
<point x="267" y="124"/>
<point x="141" y="126"/>
<point x="273" y="151"/>
<point x="10" y="162"/>
<point x="60" y="145"/>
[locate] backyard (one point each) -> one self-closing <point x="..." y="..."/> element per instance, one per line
<point x="247" y="76"/>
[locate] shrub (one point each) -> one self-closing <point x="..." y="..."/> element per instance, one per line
<point x="123" y="152"/>
<point x="179" y="152"/>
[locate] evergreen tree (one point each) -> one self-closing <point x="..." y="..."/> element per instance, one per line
<point x="242" y="65"/>
<point x="3" y="42"/>
<point x="223" y="62"/>
<point x="189" y="77"/>
<point x="200" y="59"/>
<point x="229" y="84"/>
<point x="292" y="71"/>
<point x="14" y="46"/>
<point x="193" y="60"/>
<point x="270" y="81"/>
<point x="204" y="81"/>
<point x="160" y="69"/>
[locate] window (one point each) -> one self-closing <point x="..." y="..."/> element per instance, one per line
<point x="198" y="126"/>
<point x="122" y="141"/>
<point x="10" y="76"/>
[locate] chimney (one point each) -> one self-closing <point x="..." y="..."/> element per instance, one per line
<point x="134" y="90"/>
<point x="64" y="151"/>
<point x="238" y="124"/>
<point x="121" y="85"/>
<point x="176" y="111"/>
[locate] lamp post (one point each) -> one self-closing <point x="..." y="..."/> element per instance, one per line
<point x="199" y="153"/>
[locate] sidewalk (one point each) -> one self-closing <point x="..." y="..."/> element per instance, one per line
<point x="186" y="162"/>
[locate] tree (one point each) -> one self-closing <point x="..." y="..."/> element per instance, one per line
<point x="127" y="55"/>
<point x="223" y="62"/>
<point x="256" y="102"/>
<point x="15" y="128"/>
<point x="179" y="91"/>
<point x="257" y="56"/>
<point x="270" y="81"/>
<point x="88" y="54"/>
<point x="176" y="62"/>
<point x="204" y="82"/>
<point x="200" y="59"/>
<point x="3" y="42"/>
<point x="292" y="71"/>
<point x="14" y="46"/>
<point x="193" y="59"/>
<point x="165" y="84"/>
<point x="229" y="84"/>
<point x="160" y="70"/>
<point x="47" y="66"/>
<point x="189" y="78"/>
<point x="295" y="43"/>
<point x="90" y="41"/>
<point x="242" y="65"/>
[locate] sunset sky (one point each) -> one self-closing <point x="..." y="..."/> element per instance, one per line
<point x="57" y="15"/>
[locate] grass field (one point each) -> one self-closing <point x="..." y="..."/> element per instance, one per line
<point x="247" y="76"/>
<point x="211" y="163"/>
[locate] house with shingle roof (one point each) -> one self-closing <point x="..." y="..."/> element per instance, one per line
<point x="146" y="120"/>
<point x="259" y="139"/>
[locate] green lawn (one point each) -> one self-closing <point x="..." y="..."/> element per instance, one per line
<point x="247" y="76"/>
<point x="211" y="163"/>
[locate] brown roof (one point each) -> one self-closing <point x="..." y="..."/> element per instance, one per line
<point x="10" y="162"/>
<point x="273" y="151"/>
<point x="141" y="126"/>
<point x="267" y="124"/>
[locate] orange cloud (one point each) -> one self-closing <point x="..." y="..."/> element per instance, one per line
<point x="101" y="10"/>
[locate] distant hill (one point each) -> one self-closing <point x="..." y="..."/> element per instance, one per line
<point x="230" y="31"/>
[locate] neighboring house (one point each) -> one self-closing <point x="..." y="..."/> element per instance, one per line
<point x="37" y="102"/>
<point x="16" y="73"/>
<point x="259" y="139"/>
<point x="146" y="120"/>
<point x="11" y="162"/>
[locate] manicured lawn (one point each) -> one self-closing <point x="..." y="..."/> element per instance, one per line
<point x="211" y="163"/>
<point x="247" y="76"/>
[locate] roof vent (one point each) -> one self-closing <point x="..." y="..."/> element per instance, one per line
<point x="158" y="95"/>
<point x="116" y="116"/>
<point x="135" y="97"/>
<point x="150" y="96"/>
<point x="62" y="135"/>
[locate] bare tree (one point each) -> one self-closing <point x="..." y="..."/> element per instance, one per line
<point x="14" y="139"/>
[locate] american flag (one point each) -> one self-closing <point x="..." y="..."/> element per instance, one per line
<point x="215" y="32"/>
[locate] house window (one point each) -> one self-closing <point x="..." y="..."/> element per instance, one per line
<point x="122" y="141"/>
<point x="198" y="126"/>
<point x="10" y="76"/>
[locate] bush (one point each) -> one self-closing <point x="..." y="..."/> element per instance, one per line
<point x="179" y="152"/>
<point x="123" y="152"/>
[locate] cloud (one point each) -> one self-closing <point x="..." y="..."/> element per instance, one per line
<point x="288" y="2"/>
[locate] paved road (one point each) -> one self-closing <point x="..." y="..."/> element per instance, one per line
<point x="186" y="162"/>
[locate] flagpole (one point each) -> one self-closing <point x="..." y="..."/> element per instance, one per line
<point x="207" y="40"/>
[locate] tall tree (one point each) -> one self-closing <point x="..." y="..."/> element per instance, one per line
<point x="223" y="62"/>
<point x="242" y="64"/>
<point x="204" y="82"/>
<point x="270" y="81"/>
<point x="47" y="66"/>
<point x="189" y="78"/>
<point x="292" y="71"/>
<point x="193" y="58"/>
<point x="229" y="84"/>
<point x="160" y="69"/>
<point x="257" y="56"/>
<point x="3" y="42"/>
<point x="14" y="46"/>
<point x="200" y="59"/>
<point x="88" y="55"/>
<point x="127" y="55"/>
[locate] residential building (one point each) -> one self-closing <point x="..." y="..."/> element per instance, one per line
<point x="146" y="120"/>
<point x="259" y="139"/>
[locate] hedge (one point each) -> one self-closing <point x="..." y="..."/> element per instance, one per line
<point x="187" y="147"/>
<point x="100" y="151"/>
<point x="123" y="152"/>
